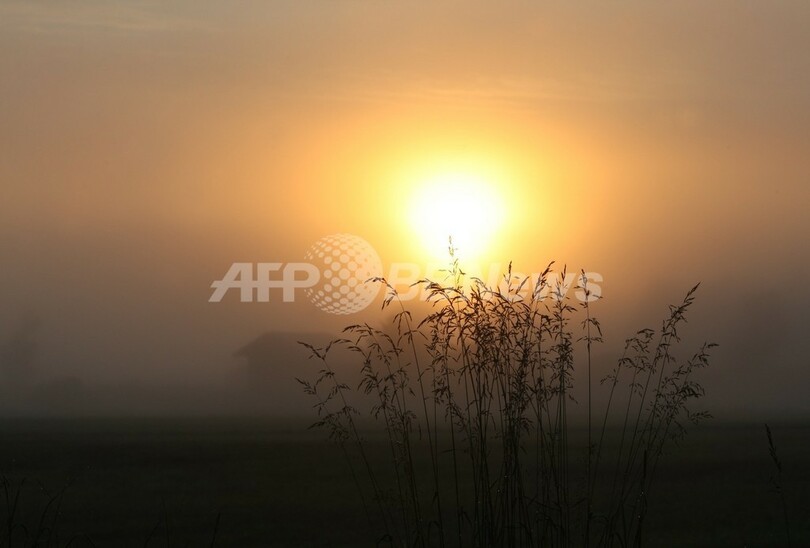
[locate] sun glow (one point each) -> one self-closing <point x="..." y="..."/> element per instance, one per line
<point x="461" y="206"/>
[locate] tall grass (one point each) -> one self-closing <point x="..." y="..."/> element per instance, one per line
<point x="26" y="525"/>
<point x="475" y="400"/>
<point x="33" y="521"/>
<point x="776" y="481"/>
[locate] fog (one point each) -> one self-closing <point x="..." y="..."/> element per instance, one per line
<point x="146" y="148"/>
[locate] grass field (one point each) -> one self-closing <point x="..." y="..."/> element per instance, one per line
<point x="186" y="482"/>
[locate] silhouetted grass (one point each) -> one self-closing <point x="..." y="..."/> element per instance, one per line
<point x="776" y="481"/>
<point x="34" y="527"/>
<point x="475" y="398"/>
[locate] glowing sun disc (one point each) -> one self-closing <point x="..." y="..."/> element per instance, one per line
<point x="460" y="206"/>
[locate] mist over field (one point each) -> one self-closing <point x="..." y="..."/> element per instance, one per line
<point x="145" y="148"/>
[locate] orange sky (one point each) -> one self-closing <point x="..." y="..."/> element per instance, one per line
<point x="144" y="148"/>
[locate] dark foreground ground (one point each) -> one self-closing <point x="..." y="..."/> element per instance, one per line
<point x="184" y="482"/>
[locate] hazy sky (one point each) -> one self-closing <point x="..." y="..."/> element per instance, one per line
<point x="144" y="147"/>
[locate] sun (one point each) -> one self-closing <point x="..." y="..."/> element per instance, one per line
<point x="457" y="205"/>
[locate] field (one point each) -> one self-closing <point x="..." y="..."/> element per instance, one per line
<point x="191" y="482"/>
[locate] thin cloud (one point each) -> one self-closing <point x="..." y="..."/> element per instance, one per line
<point x="101" y="17"/>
